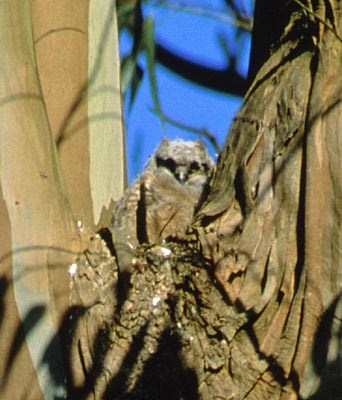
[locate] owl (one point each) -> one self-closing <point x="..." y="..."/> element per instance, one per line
<point x="162" y="201"/>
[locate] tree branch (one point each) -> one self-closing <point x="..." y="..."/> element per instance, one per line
<point x="225" y="80"/>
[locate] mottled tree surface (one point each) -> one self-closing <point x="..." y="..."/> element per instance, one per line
<point x="247" y="304"/>
<point x="60" y="119"/>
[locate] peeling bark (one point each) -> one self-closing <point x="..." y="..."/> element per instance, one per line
<point x="247" y="305"/>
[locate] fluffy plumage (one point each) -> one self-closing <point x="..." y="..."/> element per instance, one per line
<point x="163" y="200"/>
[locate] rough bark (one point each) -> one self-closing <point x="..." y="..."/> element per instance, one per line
<point x="283" y="235"/>
<point x="247" y="305"/>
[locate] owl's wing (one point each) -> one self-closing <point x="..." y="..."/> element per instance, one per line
<point x="124" y="226"/>
<point x="169" y="206"/>
<point x="155" y="207"/>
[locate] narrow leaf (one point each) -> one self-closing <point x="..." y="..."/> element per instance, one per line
<point x="149" y="45"/>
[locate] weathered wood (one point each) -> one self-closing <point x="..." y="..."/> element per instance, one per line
<point x="77" y="51"/>
<point x="36" y="225"/>
<point x="241" y="301"/>
<point x="247" y="305"/>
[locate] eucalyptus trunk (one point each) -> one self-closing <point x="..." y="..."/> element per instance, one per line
<point x="248" y="304"/>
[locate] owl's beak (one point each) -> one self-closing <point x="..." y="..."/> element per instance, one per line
<point x="181" y="173"/>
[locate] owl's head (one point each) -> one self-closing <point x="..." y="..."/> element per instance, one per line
<point x="186" y="161"/>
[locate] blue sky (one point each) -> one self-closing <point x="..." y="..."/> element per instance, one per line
<point x="194" y="37"/>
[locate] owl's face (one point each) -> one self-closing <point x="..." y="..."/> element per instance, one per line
<point x="186" y="161"/>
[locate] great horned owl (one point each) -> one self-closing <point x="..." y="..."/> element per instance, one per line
<point x="163" y="200"/>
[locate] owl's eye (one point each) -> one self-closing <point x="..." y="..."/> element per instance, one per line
<point x="194" y="166"/>
<point x="166" y="163"/>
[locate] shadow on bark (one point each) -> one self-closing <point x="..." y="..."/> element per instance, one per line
<point x="327" y="355"/>
<point x="164" y="376"/>
<point x="164" y="373"/>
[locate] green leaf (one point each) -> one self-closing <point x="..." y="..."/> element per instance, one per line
<point x="135" y="84"/>
<point x="125" y="14"/>
<point x="149" y="46"/>
<point x="128" y="70"/>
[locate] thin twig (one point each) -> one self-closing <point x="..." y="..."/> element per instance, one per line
<point x="198" y="131"/>
<point x="319" y="19"/>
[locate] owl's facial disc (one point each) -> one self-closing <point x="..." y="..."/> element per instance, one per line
<point x="182" y="171"/>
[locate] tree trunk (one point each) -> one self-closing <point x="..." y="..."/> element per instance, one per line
<point x="59" y="82"/>
<point x="76" y="46"/>
<point x="271" y="235"/>
<point x="248" y="304"/>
